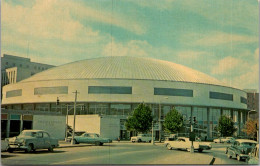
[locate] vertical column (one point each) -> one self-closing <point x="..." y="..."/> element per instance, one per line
<point x="21" y="123"/>
<point x="239" y="121"/>
<point x="221" y="111"/>
<point x="232" y="114"/>
<point x="8" y="126"/>
<point x="208" y="121"/>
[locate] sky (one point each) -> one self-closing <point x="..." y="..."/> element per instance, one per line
<point x="216" y="37"/>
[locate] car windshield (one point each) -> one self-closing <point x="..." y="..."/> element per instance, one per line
<point x="248" y="144"/>
<point x="27" y="133"/>
<point x="79" y="133"/>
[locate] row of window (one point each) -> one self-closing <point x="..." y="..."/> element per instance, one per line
<point x="27" y="66"/>
<point x="128" y="90"/>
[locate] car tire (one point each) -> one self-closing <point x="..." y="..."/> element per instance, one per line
<point x="238" y="158"/>
<point x="10" y="150"/>
<point x="50" y="149"/>
<point x="139" y="140"/>
<point x="229" y="156"/>
<point x="30" y="148"/>
<point x="133" y="141"/>
<point x="75" y="142"/>
<point x="98" y="143"/>
<point x="200" y="150"/>
<point x="150" y="141"/>
<point x="169" y="147"/>
<point x="101" y="144"/>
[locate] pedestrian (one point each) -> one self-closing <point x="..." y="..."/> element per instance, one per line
<point x="118" y="139"/>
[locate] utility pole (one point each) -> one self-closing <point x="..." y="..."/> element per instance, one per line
<point x="159" y="121"/>
<point x="67" y="121"/>
<point x="152" y="141"/>
<point x="73" y="132"/>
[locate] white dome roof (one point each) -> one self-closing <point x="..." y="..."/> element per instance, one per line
<point x="125" y="67"/>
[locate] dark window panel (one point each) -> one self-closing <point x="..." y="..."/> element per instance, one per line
<point x="173" y="92"/>
<point x="109" y="90"/>
<point x="221" y="96"/>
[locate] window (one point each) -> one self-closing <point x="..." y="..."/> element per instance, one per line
<point x="39" y="135"/>
<point x="243" y="100"/>
<point x="51" y="90"/>
<point x="46" y="135"/>
<point x="109" y="90"/>
<point x="221" y="96"/>
<point x="173" y="92"/>
<point x="14" y="93"/>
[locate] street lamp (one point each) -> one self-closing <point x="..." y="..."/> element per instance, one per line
<point x="159" y="120"/>
<point x="249" y="112"/>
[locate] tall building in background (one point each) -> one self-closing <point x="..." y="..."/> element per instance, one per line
<point x="15" y="69"/>
<point x="253" y="102"/>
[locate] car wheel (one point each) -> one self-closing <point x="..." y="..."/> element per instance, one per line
<point x="30" y="148"/>
<point x="228" y="155"/>
<point x="101" y="144"/>
<point x="10" y="150"/>
<point x="133" y="141"/>
<point x="238" y="158"/>
<point x="188" y="149"/>
<point x="139" y="140"/>
<point x="200" y="150"/>
<point x="169" y="147"/>
<point x="97" y="143"/>
<point x="50" y="148"/>
<point x="75" y="142"/>
<point x="150" y="141"/>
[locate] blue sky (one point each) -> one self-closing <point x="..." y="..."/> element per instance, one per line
<point x="216" y="37"/>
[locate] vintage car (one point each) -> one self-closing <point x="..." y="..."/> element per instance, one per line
<point x="77" y="133"/>
<point x="4" y="145"/>
<point x="254" y="156"/>
<point x="142" y="138"/>
<point x="228" y="140"/>
<point x="185" y="143"/>
<point x="219" y="140"/>
<point x="240" y="149"/>
<point x="91" y="138"/>
<point x="30" y="140"/>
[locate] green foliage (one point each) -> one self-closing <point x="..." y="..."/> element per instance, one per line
<point x="226" y="126"/>
<point x="173" y="121"/>
<point x="141" y="121"/>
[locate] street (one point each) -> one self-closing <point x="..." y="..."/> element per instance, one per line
<point x="119" y="153"/>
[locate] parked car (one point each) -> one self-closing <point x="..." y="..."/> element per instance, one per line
<point x="240" y="149"/>
<point x="4" y="145"/>
<point x="91" y="138"/>
<point x="77" y="133"/>
<point x="185" y="143"/>
<point x="30" y="140"/>
<point x="254" y="156"/>
<point x="218" y="140"/>
<point x="142" y="138"/>
<point x="228" y="140"/>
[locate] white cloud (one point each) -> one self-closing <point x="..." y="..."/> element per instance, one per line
<point x="229" y="65"/>
<point x="218" y="38"/>
<point x="131" y="48"/>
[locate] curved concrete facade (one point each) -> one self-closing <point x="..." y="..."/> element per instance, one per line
<point x="142" y="91"/>
<point x="116" y="85"/>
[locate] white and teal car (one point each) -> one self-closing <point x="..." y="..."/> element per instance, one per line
<point x="30" y="140"/>
<point x="91" y="138"/>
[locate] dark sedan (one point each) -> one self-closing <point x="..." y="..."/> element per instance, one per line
<point x="240" y="149"/>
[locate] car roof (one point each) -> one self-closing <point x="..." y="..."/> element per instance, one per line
<point x="245" y="140"/>
<point x="34" y="130"/>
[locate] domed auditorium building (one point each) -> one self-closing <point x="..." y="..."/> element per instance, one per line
<point x="113" y="86"/>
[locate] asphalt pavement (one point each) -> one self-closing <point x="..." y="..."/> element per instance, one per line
<point x="117" y="153"/>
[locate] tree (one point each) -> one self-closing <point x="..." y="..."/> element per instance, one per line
<point x="173" y="121"/>
<point x="251" y="127"/>
<point x="226" y="126"/>
<point x="141" y="120"/>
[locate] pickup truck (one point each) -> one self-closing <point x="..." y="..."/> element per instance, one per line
<point x="30" y="140"/>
